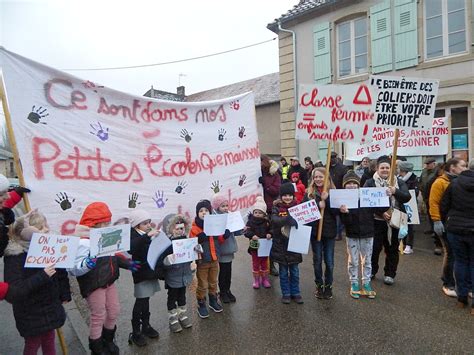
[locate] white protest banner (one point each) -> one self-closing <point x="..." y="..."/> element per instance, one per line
<point x="157" y="246"/>
<point x="305" y="212"/>
<point x="183" y="250"/>
<point x="335" y="112"/>
<point x="52" y="249"/>
<point x="235" y="221"/>
<point x="215" y="224"/>
<point x="264" y="247"/>
<point x="404" y="102"/>
<point x="348" y="197"/>
<point x="374" y="197"/>
<point x="411" y="142"/>
<point x="299" y="239"/>
<point x="412" y="209"/>
<point x="81" y="142"/>
<point x="109" y="240"/>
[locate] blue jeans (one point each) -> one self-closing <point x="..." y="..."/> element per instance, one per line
<point x="289" y="280"/>
<point x="463" y="249"/>
<point x="323" y="249"/>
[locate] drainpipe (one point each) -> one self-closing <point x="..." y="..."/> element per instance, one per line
<point x="295" y="86"/>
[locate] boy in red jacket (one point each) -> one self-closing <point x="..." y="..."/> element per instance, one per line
<point x="300" y="188"/>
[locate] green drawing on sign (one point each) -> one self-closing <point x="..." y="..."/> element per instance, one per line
<point x="110" y="239"/>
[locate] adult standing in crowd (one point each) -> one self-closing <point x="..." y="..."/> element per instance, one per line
<point x="457" y="205"/>
<point x="297" y="168"/>
<point x="452" y="168"/>
<point x="405" y="169"/>
<point x="438" y="171"/>
<point x="426" y="175"/>
<point x="369" y="172"/>
<point x="337" y="170"/>
<point x="308" y="166"/>
<point x="386" y="236"/>
<point x="284" y="167"/>
<point x="362" y="167"/>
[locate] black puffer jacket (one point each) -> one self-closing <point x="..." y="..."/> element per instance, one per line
<point x="329" y="221"/>
<point x="402" y="195"/>
<point x="257" y="226"/>
<point x="458" y="204"/>
<point x="279" y="252"/>
<point x="359" y="223"/>
<point x="37" y="306"/>
<point x="139" y="245"/>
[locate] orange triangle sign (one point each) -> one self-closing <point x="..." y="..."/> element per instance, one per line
<point x="367" y="100"/>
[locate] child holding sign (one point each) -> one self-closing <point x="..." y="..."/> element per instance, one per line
<point x="258" y="227"/>
<point x="360" y="238"/>
<point x="287" y="260"/>
<point x="37" y="306"/>
<point x="145" y="280"/>
<point x="177" y="276"/>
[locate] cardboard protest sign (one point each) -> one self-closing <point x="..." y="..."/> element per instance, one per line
<point x="348" y="197"/>
<point x="305" y="212"/>
<point x="404" y="102"/>
<point x="109" y="240"/>
<point x="215" y="224"/>
<point x="374" y="197"/>
<point x="80" y="142"/>
<point x="48" y="249"/>
<point x="412" y="209"/>
<point x="412" y="142"/>
<point x="183" y="250"/>
<point x="299" y="239"/>
<point x="157" y="246"/>
<point x="335" y="112"/>
<point x="264" y="247"/>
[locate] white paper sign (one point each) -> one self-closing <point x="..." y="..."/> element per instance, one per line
<point x="235" y="221"/>
<point x="215" y="224"/>
<point x="412" y="209"/>
<point x="183" y="250"/>
<point x="305" y="212"/>
<point x="157" y="246"/>
<point x="299" y="239"/>
<point x="264" y="247"/>
<point x="348" y="197"/>
<point x="374" y="197"/>
<point x="109" y="240"/>
<point x="52" y="249"/>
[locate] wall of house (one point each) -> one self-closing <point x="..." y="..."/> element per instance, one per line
<point x="268" y="128"/>
<point x="456" y="73"/>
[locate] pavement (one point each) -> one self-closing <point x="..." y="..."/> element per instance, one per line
<point x="412" y="316"/>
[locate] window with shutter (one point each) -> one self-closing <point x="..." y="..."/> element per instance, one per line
<point x="380" y="24"/>
<point x="405" y="32"/>
<point x="322" y="54"/>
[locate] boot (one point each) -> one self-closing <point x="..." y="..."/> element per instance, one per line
<point x="136" y="337"/>
<point x="175" y="327"/>
<point x="273" y="269"/>
<point x="224" y="295"/>
<point x="265" y="281"/>
<point x="147" y="329"/>
<point x="183" y="318"/>
<point x="256" y="281"/>
<point x="231" y="296"/>
<point x="214" y="304"/>
<point x="108" y="338"/>
<point x="97" y="347"/>
<point x="202" y="309"/>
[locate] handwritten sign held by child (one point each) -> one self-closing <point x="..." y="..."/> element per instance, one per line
<point x="305" y="212"/>
<point x="48" y="249"/>
<point x="347" y="197"/>
<point x="183" y="250"/>
<point x="374" y="197"/>
<point x="110" y="240"/>
<point x="157" y="247"/>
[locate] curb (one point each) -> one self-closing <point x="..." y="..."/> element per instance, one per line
<point x="78" y="324"/>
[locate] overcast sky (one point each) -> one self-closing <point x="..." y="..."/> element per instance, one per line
<point x="94" y="34"/>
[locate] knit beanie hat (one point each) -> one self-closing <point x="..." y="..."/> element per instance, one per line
<point x="138" y="216"/>
<point x="4" y="183"/>
<point x="3" y="290"/>
<point x="405" y="166"/>
<point x="205" y="204"/>
<point x="218" y="200"/>
<point x="350" y="176"/>
<point x="96" y="212"/>
<point x="287" y="189"/>
<point x="260" y="205"/>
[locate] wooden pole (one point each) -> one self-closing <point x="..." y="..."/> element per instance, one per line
<point x="62" y="341"/>
<point x="393" y="163"/>
<point x="11" y="137"/>
<point x="325" y="188"/>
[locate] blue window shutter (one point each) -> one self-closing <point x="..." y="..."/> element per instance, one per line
<point x="406" y="36"/>
<point x="380" y="31"/>
<point x="322" y="54"/>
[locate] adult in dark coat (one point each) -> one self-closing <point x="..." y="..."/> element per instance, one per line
<point x="297" y="168"/>
<point x="337" y="170"/>
<point x="270" y="181"/>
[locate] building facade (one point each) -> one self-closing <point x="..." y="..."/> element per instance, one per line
<point x="345" y="41"/>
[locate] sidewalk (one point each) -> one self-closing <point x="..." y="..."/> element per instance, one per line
<point x="12" y="343"/>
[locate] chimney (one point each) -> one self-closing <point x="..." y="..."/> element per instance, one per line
<point x="180" y="91"/>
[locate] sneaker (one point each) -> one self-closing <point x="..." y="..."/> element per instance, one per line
<point x="438" y="251"/>
<point x="224" y="296"/>
<point x="355" y="290"/>
<point x="368" y="291"/>
<point x="449" y="291"/>
<point x="175" y="327"/>
<point x="183" y="318"/>
<point x="298" y="299"/>
<point x="319" y="293"/>
<point x="327" y="295"/>
<point x="408" y="250"/>
<point x="387" y="280"/>
<point x="231" y="297"/>
<point x="286" y="300"/>
<point x="202" y="309"/>
<point x="214" y="304"/>
<point x="470" y="294"/>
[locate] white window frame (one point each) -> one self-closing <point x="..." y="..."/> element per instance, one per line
<point x="445" y="34"/>
<point x="352" y="44"/>
<point x="470" y="129"/>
